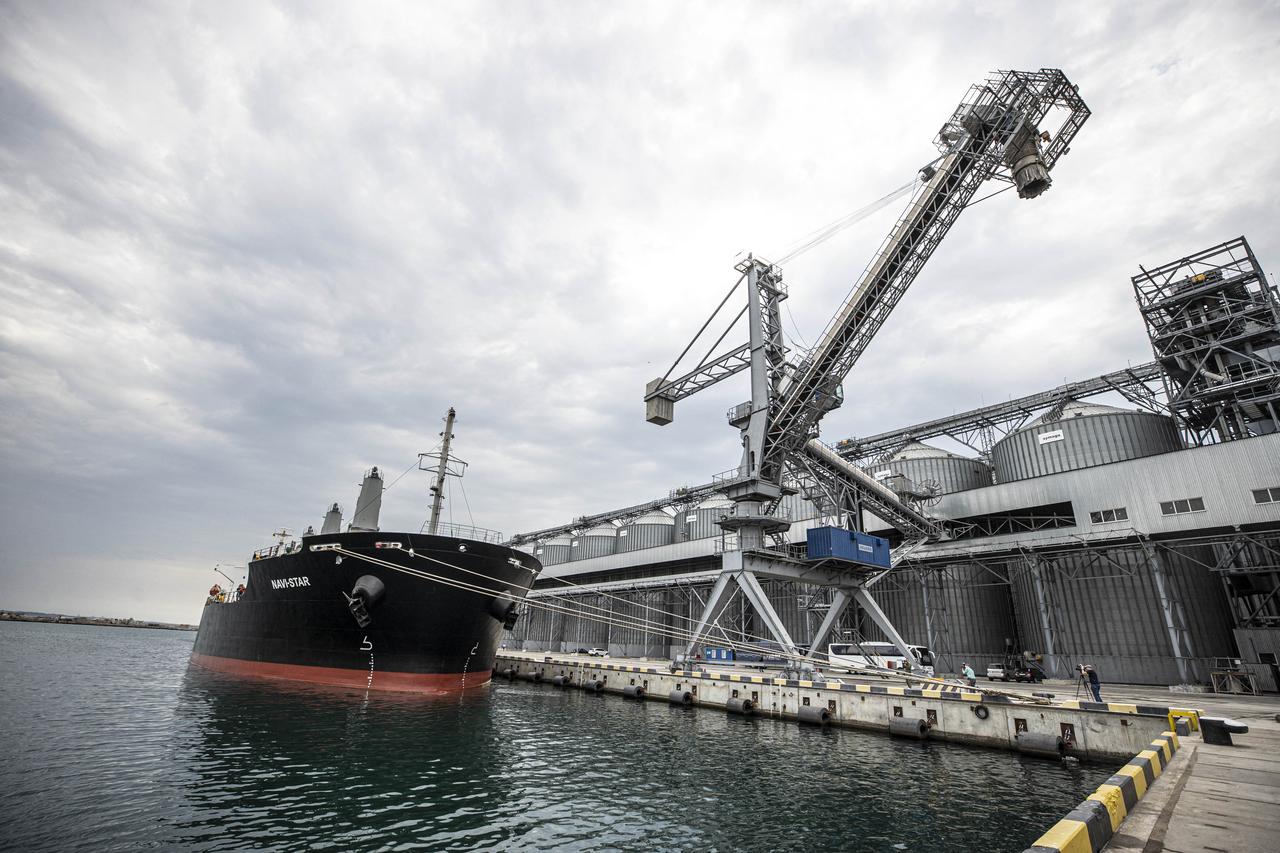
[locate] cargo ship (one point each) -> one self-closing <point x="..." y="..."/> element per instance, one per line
<point x="368" y="609"/>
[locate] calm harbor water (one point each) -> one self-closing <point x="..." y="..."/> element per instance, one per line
<point x="111" y="742"/>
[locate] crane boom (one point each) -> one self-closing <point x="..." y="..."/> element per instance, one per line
<point x="996" y="128"/>
<point x="995" y="132"/>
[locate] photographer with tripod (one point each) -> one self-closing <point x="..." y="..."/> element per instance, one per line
<point x="1086" y="673"/>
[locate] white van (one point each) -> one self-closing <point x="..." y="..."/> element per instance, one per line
<point x="886" y="655"/>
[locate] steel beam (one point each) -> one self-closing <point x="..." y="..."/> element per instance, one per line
<point x="840" y="599"/>
<point x="772" y="621"/>
<point x="721" y="593"/>
<point x="868" y="604"/>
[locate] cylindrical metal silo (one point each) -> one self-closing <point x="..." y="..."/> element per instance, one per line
<point x="709" y="513"/>
<point x="647" y="531"/>
<point x="598" y="541"/>
<point x="553" y="551"/>
<point x="920" y="463"/>
<point x="1085" y="435"/>
<point x="1117" y="621"/>
<point x="972" y="616"/>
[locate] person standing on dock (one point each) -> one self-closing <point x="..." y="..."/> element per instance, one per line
<point x="969" y="677"/>
<point x="1088" y="671"/>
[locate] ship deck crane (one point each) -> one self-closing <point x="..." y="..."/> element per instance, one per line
<point x="999" y="131"/>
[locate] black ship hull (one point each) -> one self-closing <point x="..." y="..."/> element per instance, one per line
<point x="432" y="625"/>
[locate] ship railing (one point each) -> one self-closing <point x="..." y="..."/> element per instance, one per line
<point x="269" y="551"/>
<point x="466" y="531"/>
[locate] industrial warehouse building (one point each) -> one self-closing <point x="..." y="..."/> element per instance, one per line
<point x="1144" y="539"/>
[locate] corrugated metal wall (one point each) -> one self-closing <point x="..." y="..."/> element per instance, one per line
<point x="1109" y="613"/>
<point x="952" y="473"/>
<point x="1086" y="441"/>
<point x="645" y="532"/>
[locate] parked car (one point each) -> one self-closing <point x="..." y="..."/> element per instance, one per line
<point x="1030" y="672"/>
<point x="996" y="672"/>
<point x="582" y="651"/>
<point x="598" y="653"/>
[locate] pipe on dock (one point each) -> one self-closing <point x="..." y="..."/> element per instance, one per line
<point x="682" y="698"/>
<point x="813" y="715"/>
<point x="745" y="707"/>
<point x="912" y="727"/>
<point x="1046" y="746"/>
<point x="633" y="691"/>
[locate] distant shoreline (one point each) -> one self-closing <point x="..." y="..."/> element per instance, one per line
<point x="63" y="619"/>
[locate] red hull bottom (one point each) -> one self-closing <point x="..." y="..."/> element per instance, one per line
<point x="430" y="684"/>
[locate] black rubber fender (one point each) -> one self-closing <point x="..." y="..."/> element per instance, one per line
<point x="981" y="711"/>
<point x="683" y="698"/>
<point x="1044" y="745"/>
<point x="813" y="714"/>
<point x="745" y="707"/>
<point x="633" y="691"/>
<point x="913" y="727"/>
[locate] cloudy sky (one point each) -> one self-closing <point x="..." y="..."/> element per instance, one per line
<point x="248" y="250"/>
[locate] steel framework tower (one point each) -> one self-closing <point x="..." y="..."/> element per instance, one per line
<point x="995" y="132"/>
<point x="1214" y="323"/>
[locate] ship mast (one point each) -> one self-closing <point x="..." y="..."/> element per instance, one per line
<point x="437" y="490"/>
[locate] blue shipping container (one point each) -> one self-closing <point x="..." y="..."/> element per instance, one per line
<point x="838" y="543"/>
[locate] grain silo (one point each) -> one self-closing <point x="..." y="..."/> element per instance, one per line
<point x="647" y="531"/>
<point x="1084" y="435"/>
<point x="708" y="515"/>
<point x="553" y="551"/>
<point x="922" y="463"/>
<point x="598" y="541"/>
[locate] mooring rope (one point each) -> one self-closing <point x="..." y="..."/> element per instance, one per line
<point x="637" y="623"/>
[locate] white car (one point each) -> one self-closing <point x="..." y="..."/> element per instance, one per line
<point x="995" y="672"/>
<point x="598" y="653"/>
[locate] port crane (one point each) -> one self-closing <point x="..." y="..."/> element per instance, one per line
<point x="1013" y="127"/>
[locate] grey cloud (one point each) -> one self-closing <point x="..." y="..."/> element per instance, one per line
<point x="247" y="251"/>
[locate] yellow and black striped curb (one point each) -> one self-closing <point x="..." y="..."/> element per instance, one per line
<point x="1089" y="826"/>
<point x="940" y="691"/>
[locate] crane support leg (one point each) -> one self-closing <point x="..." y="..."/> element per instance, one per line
<point x="839" y="604"/>
<point x="772" y="621"/>
<point x="867" y="603"/>
<point x="721" y="594"/>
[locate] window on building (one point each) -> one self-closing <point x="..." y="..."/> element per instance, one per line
<point x="1108" y="516"/>
<point x="1267" y="496"/>
<point x="1182" y="506"/>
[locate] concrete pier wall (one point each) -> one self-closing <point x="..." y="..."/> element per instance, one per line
<point x="1089" y="730"/>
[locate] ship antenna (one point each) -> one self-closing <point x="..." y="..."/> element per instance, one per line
<point x="443" y="467"/>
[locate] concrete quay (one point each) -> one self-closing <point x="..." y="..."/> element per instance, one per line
<point x="948" y="713"/>
<point x="1222" y="798"/>
<point x="1171" y="793"/>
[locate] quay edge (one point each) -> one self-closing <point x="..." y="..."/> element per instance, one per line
<point x="1095" y="731"/>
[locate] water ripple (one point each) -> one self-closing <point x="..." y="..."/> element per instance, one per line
<point x="113" y="743"/>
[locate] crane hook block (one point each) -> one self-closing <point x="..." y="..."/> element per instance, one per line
<point x="658" y="409"/>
